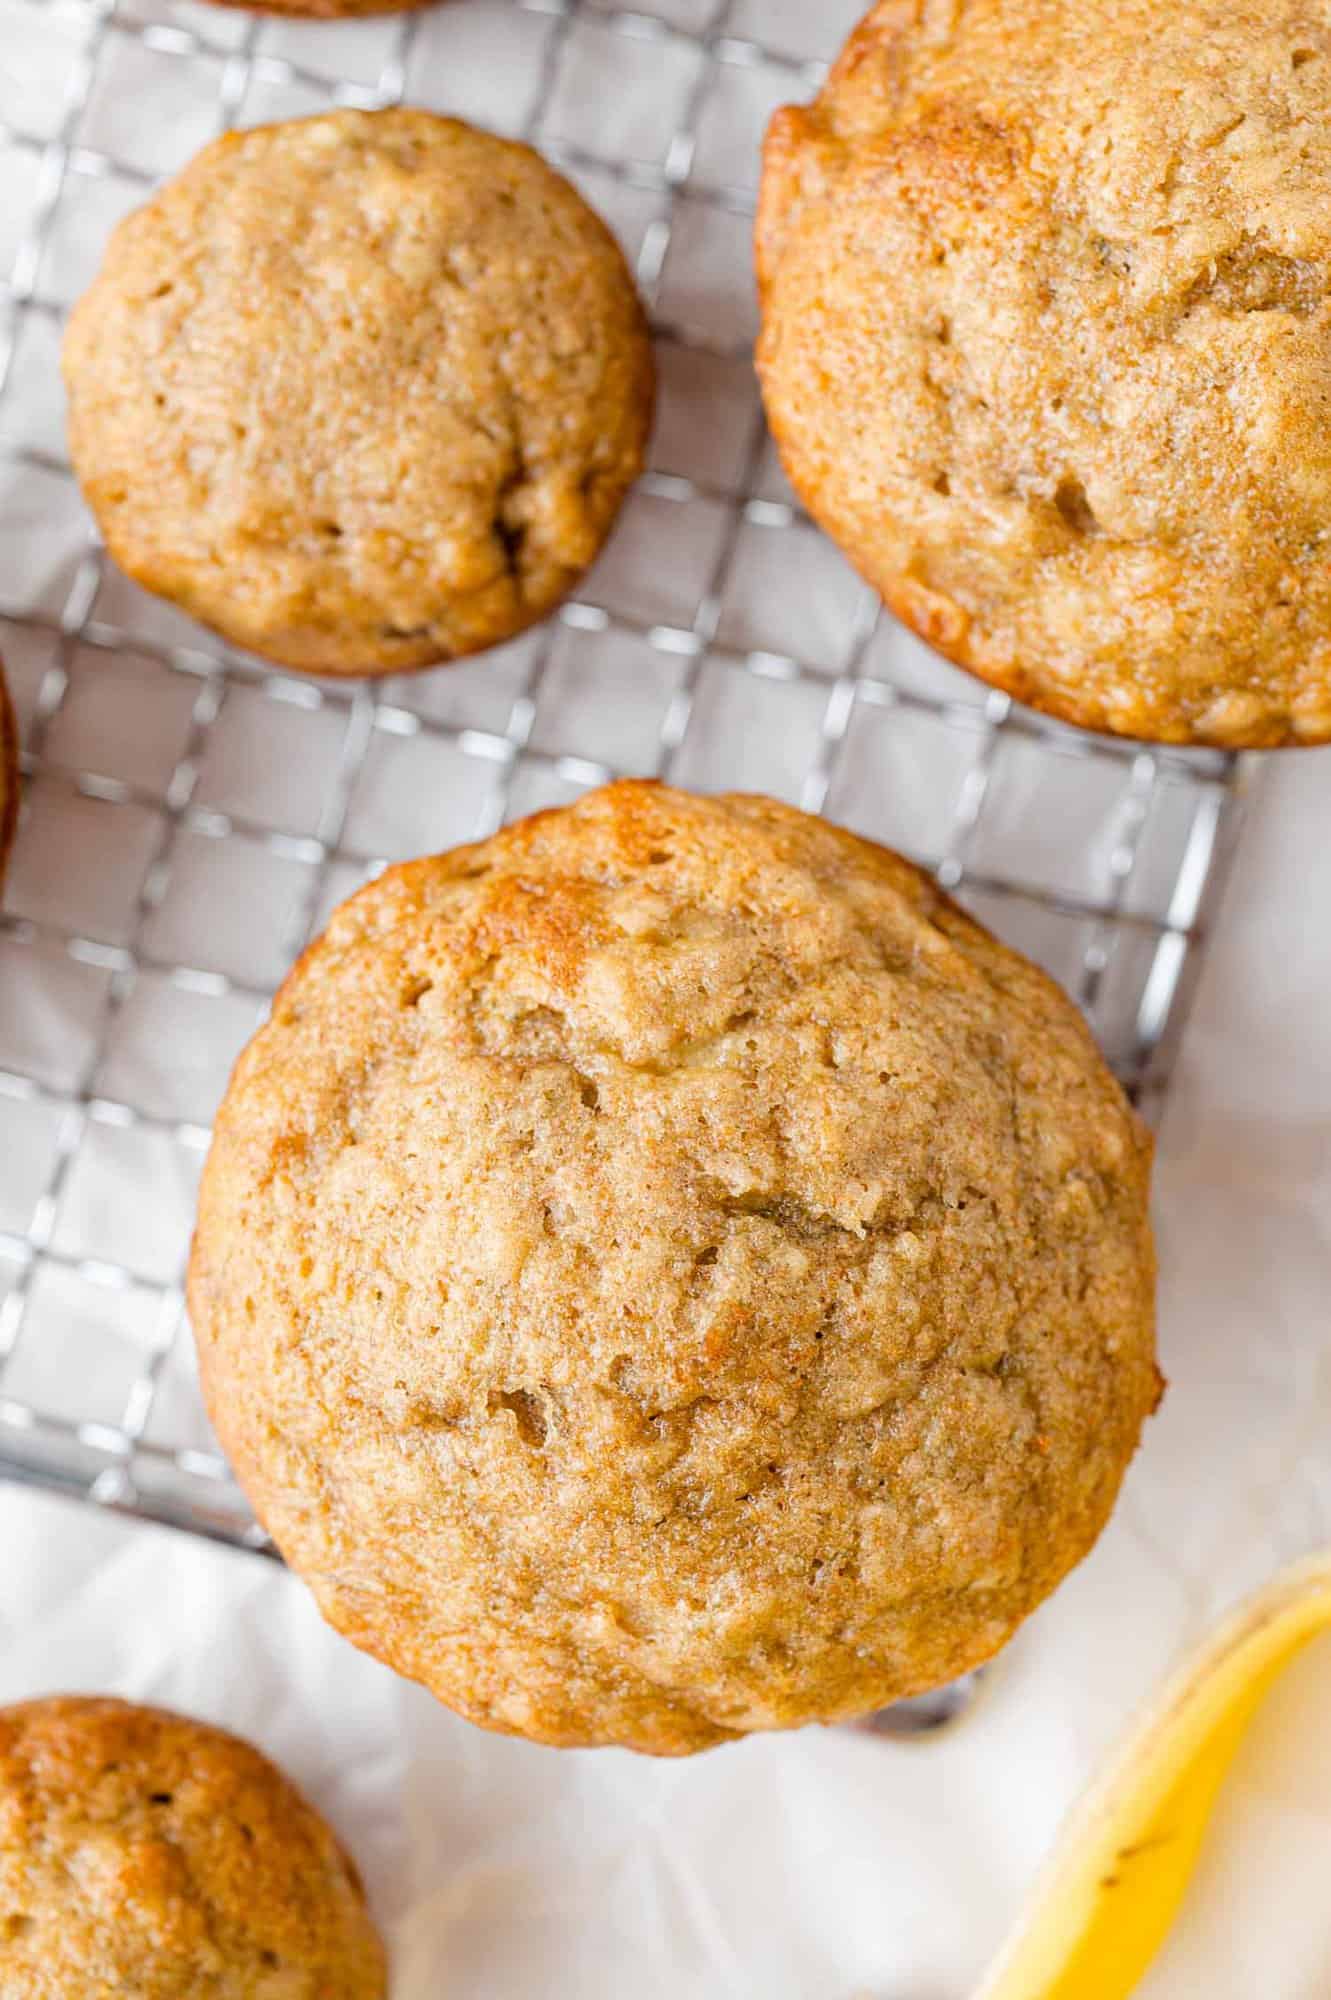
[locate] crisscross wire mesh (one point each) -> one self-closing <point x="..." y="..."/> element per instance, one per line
<point x="191" y="816"/>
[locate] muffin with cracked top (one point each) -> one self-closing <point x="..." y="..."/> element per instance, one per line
<point x="363" y="391"/>
<point x="143" y="1853"/>
<point x="1046" y="344"/>
<point x="665" y="1272"/>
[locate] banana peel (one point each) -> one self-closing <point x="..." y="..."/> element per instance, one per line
<point x="1110" y="1893"/>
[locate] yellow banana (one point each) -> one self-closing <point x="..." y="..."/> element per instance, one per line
<point x="1113" y="1886"/>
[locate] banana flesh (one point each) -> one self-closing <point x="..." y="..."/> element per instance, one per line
<point x="1112" y="1889"/>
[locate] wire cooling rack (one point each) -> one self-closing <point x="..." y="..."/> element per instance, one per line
<point x="190" y="816"/>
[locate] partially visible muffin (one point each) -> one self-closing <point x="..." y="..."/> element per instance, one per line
<point x="1046" y="344"/>
<point x="326" y="10"/>
<point x="145" y="1854"/>
<point x="9" y="779"/>
<point x="665" y="1272"/>
<point x="362" y="391"/>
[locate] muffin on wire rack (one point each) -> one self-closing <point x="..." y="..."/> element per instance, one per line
<point x="143" y="1853"/>
<point x="665" y="1272"/>
<point x="1046" y="339"/>
<point x="327" y="10"/>
<point x="363" y="391"/>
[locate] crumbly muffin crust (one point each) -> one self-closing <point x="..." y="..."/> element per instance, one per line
<point x="665" y="1272"/>
<point x="362" y="391"/>
<point x="9" y="775"/>
<point x="143" y="1853"/>
<point x="1046" y="344"/>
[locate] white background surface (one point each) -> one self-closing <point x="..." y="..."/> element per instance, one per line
<point x="825" y="1866"/>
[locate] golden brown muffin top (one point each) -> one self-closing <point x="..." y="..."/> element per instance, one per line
<point x="665" y="1272"/>
<point x="142" y="1853"/>
<point x="362" y="391"/>
<point x="1047" y="343"/>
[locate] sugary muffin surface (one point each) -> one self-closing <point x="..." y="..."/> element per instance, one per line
<point x="1046" y="345"/>
<point x="362" y="391"/>
<point x="142" y="1853"/>
<point x="665" y="1272"/>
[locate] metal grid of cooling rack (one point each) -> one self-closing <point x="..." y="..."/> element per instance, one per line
<point x="191" y="816"/>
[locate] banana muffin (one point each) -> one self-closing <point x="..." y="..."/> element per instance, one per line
<point x="362" y="392"/>
<point x="9" y="784"/>
<point x="326" y="10"/>
<point x="1046" y="343"/>
<point x="142" y="1853"/>
<point x="666" y="1272"/>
